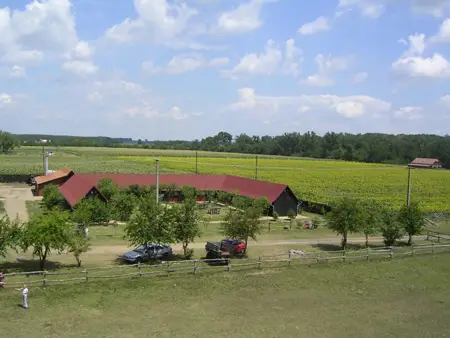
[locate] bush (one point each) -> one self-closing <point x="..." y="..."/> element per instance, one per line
<point x="390" y="228"/>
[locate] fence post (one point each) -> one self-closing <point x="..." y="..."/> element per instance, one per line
<point x="86" y="274"/>
<point x="45" y="279"/>
<point x="343" y="255"/>
<point x="195" y="266"/>
<point x="390" y="252"/>
<point x="428" y="235"/>
<point x="318" y="258"/>
<point x="269" y="226"/>
<point x="368" y="253"/>
<point x="432" y="248"/>
<point x="140" y="269"/>
<point x="259" y="262"/>
<point x="412" y="249"/>
<point x="289" y="262"/>
<point x="439" y="237"/>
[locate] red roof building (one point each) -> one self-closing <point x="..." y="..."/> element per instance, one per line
<point x="426" y="163"/>
<point x="280" y="196"/>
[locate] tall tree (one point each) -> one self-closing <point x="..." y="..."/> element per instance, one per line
<point x="244" y="224"/>
<point x="107" y="188"/>
<point x="78" y="245"/>
<point x="412" y="220"/>
<point x="123" y="205"/>
<point x="346" y="217"/>
<point x="187" y="220"/>
<point x="371" y="222"/>
<point x="7" y="142"/>
<point x="10" y="234"/>
<point x="52" y="197"/>
<point x="151" y="223"/>
<point x="46" y="232"/>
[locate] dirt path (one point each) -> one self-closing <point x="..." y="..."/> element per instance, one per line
<point x="119" y="249"/>
<point x="14" y="197"/>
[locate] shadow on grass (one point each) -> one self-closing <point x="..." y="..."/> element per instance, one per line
<point x="28" y="265"/>
<point x="337" y="247"/>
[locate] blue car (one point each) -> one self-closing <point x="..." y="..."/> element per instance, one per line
<point x="149" y="252"/>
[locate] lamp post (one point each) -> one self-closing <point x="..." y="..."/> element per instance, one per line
<point x="157" y="179"/>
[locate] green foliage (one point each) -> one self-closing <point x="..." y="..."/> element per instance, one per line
<point x="371" y="223"/>
<point x="52" y="198"/>
<point x="47" y="232"/>
<point x="346" y="217"/>
<point x="123" y="204"/>
<point x="275" y="215"/>
<point x="291" y="214"/>
<point x="141" y="191"/>
<point x="83" y="212"/>
<point x="107" y="188"/>
<point x="390" y="228"/>
<point x="243" y="224"/>
<point x="151" y="223"/>
<point x="101" y="211"/>
<point x="187" y="220"/>
<point x="7" y="142"/>
<point x="78" y="245"/>
<point x="412" y="219"/>
<point x="10" y="234"/>
<point x="317" y="222"/>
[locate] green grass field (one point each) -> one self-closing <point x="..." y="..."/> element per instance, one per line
<point x="402" y="298"/>
<point x="313" y="180"/>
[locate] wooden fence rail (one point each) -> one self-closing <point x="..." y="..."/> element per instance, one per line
<point x="438" y="236"/>
<point x="196" y="266"/>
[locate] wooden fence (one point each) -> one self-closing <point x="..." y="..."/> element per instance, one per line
<point x="169" y="268"/>
<point x="437" y="236"/>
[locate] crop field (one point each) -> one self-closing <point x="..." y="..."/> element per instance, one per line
<point x="313" y="180"/>
<point x="404" y="298"/>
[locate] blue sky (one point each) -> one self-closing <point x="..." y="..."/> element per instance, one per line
<point x="186" y="69"/>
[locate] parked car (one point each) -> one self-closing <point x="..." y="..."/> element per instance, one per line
<point x="225" y="249"/>
<point x="147" y="252"/>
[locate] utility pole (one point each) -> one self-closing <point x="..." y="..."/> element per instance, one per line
<point x="256" y="168"/>
<point x="157" y="180"/>
<point x="196" y="162"/>
<point x="408" y="196"/>
<point x="43" y="158"/>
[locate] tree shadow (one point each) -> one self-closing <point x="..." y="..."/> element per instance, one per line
<point x="337" y="247"/>
<point x="28" y="265"/>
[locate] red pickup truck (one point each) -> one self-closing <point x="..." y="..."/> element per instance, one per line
<point x="225" y="249"/>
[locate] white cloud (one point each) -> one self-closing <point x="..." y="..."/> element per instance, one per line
<point x="326" y="66"/>
<point x="374" y="8"/>
<point x="244" y="18"/>
<point x="17" y="72"/>
<point x="435" y="66"/>
<point x="443" y="36"/>
<point x="184" y="63"/>
<point x="408" y="113"/>
<point x="293" y="58"/>
<point x="82" y="50"/>
<point x="80" y="67"/>
<point x="43" y="27"/>
<point x="176" y="114"/>
<point x="347" y="106"/>
<point x="360" y="77"/>
<point x="416" y="44"/>
<point x="265" y="63"/>
<point x="319" y="25"/>
<point x="157" y="22"/>
<point x="5" y="99"/>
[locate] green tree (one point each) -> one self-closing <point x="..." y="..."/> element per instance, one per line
<point x="123" y="205"/>
<point x="7" y="142"/>
<point x="317" y="222"/>
<point x="52" y="197"/>
<point x="390" y="228"/>
<point x="46" y="232"/>
<point x="107" y="188"/>
<point x="371" y="222"/>
<point x="243" y="224"/>
<point x="346" y="217"/>
<point x="83" y="213"/>
<point x="10" y="234"/>
<point x="151" y="223"/>
<point x="412" y="220"/>
<point x="187" y="220"/>
<point x="291" y="215"/>
<point x="275" y="216"/>
<point x="101" y="211"/>
<point x="78" y="245"/>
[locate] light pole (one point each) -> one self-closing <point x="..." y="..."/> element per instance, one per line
<point x="408" y="193"/>
<point x="157" y="179"/>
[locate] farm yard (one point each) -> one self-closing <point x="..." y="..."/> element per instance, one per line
<point x="318" y="181"/>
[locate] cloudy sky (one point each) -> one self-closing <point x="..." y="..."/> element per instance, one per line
<point x="185" y="69"/>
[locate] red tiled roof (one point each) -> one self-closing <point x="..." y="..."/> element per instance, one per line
<point x="80" y="184"/>
<point x="53" y="176"/>
<point x="425" y="161"/>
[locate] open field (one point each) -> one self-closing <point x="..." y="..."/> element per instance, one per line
<point x="312" y="180"/>
<point x="402" y="298"/>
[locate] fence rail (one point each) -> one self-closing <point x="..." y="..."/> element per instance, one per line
<point x="437" y="236"/>
<point x="196" y="266"/>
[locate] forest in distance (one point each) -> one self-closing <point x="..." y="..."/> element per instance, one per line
<point x="370" y="147"/>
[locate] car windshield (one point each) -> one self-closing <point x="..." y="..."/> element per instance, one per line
<point x="140" y="249"/>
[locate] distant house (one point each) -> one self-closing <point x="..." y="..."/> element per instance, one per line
<point x="426" y="163"/>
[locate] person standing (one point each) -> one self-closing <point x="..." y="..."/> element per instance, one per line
<point x="24" y="296"/>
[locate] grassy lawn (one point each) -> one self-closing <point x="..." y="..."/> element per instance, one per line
<point x="402" y="298"/>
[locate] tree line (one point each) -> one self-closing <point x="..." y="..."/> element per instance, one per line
<point x="370" y="147"/>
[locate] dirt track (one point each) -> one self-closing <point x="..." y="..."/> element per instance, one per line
<point x="14" y="197"/>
